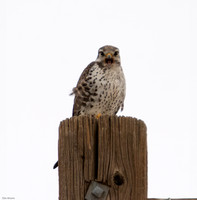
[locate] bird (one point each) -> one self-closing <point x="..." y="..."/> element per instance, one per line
<point x="101" y="88"/>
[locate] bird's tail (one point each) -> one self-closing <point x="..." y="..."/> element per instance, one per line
<point x="56" y="165"/>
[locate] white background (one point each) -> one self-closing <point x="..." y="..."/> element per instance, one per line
<point x="46" y="44"/>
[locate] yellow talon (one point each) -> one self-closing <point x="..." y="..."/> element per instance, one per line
<point x="98" y="115"/>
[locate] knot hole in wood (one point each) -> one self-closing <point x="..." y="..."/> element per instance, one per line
<point x="118" y="178"/>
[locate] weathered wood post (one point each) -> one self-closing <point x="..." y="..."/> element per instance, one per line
<point x="111" y="150"/>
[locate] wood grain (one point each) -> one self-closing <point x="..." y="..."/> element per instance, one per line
<point x="111" y="150"/>
<point x="76" y="156"/>
<point x="122" y="157"/>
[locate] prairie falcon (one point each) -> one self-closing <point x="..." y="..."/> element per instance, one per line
<point x="101" y="87"/>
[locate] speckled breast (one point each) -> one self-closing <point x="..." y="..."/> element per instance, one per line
<point x="107" y="87"/>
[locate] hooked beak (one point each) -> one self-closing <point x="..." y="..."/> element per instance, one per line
<point x="109" y="58"/>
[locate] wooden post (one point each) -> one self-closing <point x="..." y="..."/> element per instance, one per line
<point x="111" y="150"/>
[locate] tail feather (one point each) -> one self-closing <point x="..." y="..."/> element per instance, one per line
<point x="56" y="165"/>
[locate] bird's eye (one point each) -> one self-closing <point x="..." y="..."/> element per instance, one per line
<point x="116" y="53"/>
<point x="102" y="54"/>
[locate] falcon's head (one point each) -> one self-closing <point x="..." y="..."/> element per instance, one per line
<point x="108" y="55"/>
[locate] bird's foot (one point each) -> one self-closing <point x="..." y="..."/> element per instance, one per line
<point x="98" y="116"/>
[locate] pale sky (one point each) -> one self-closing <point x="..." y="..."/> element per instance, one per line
<point x="46" y="44"/>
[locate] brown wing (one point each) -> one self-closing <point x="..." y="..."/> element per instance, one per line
<point x="81" y="91"/>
